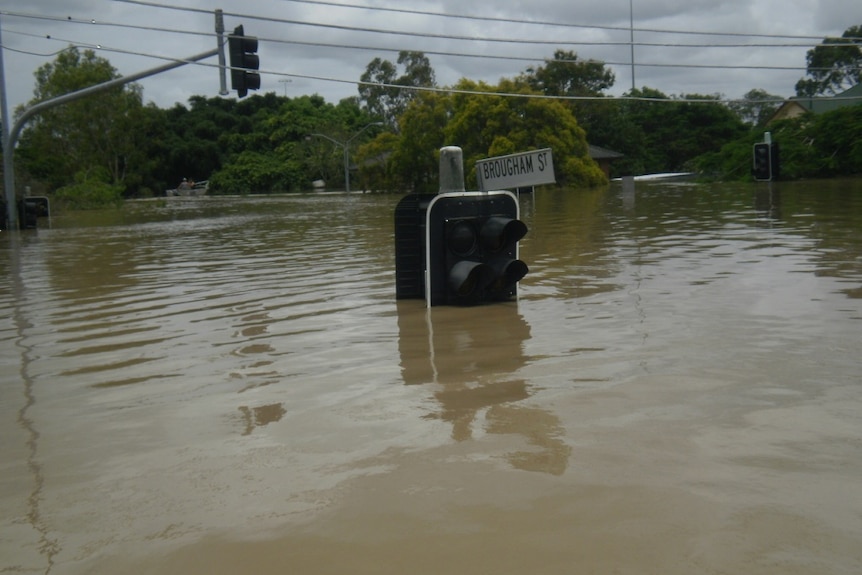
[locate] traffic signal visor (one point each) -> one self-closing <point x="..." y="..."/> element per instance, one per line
<point x="499" y="238"/>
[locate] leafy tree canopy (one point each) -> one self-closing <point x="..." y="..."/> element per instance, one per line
<point x="110" y="143"/>
<point x="96" y="132"/>
<point x="488" y="124"/>
<point x="676" y="132"/>
<point x="565" y="75"/>
<point x="384" y="94"/>
<point x="833" y="66"/>
<point x="756" y="107"/>
<point x="821" y="146"/>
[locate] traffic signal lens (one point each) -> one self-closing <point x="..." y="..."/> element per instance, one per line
<point x="498" y="233"/>
<point x="249" y="44"/>
<point x="461" y="238"/>
<point x="469" y="278"/>
<point x="506" y="274"/>
<point x="513" y="271"/>
<point x="252" y="81"/>
<point x="251" y="61"/>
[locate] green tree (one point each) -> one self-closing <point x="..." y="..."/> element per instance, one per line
<point x="822" y="146"/>
<point x="568" y="76"/>
<point x="413" y="158"/>
<point x="490" y="125"/>
<point x="836" y="138"/>
<point x="756" y="107"/>
<point x="195" y="139"/>
<point x="384" y="94"/>
<point x="484" y="125"/>
<point x="676" y="132"/>
<point x="833" y="66"/>
<point x="257" y="172"/>
<point x="294" y="125"/>
<point x="376" y="171"/>
<point x="610" y="124"/>
<point x="98" y="132"/>
<point x="565" y="75"/>
<point x="276" y="136"/>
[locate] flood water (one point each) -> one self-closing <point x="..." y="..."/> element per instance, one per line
<point x="228" y="385"/>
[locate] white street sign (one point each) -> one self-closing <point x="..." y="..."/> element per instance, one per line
<point x="531" y="168"/>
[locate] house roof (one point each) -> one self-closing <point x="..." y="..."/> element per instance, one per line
<point x="598" y="153"/>
<point x="821" y="104"/>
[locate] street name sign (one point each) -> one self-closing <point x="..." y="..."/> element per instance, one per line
<point x="531" y="168"/>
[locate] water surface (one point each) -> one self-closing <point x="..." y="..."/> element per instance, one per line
<point x="225" y="385"/>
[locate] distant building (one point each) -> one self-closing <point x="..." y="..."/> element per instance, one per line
<point x="604" y="157"/>
<point x="795" y="107"/>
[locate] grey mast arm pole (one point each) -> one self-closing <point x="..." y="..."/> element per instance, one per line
<point x="12" y="138"/>
<point x="8" y="173"/>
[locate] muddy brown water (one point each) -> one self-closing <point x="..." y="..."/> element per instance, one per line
<point x="228" y="385"/>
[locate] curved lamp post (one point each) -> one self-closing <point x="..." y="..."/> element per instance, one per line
<point x="346" y="147"/>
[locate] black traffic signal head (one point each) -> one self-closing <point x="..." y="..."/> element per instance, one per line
<point x="243" y="62"/>
<point x="762" y="167"/>
<point x="30" y="209"/>
<point x="472" y="248"/>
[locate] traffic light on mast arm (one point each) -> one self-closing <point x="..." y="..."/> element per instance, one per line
<point x="243" y="62"/>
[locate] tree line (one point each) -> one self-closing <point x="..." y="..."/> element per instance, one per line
<point x="111" y="146"/>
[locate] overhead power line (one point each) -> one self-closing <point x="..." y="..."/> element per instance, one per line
<point x="471" y="38"/>
<point x="445" y="53"/>
<point x="443" y="90"/>
<point x="791" y="41"/>
<point x="483" y="18"/>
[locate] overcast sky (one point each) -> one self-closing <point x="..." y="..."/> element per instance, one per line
<point x="309" y="47"/>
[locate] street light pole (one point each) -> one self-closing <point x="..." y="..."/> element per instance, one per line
<point x="346" y="147"/>
<point x="632" y="38"/>
<point x="285" y="81"/>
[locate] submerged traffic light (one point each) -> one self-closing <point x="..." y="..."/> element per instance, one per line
<point x="243" y="62"/>
<point x="767" y="163"/>
<point x="472" y="248"/>
<point x="30" y="209"/>
<point x="457" y="247"/>
<point x="762" y="162"/>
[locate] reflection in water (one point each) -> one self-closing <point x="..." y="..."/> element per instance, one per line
<point x="471" y="355"/>
<point x="260" y="416"/>
<point x="541" y="429"/>
<point x="460" y="345"/>
<point x="18" y="422"/>
<point x="767" y="200"/>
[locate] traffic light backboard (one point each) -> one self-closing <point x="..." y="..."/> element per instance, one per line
<point x="472" y="248"/>
<point x="244" y="62"/>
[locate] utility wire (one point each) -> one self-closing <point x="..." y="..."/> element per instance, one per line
<point x="93" y="22"/>
<point x="466" y="55"/>
<point x="450" y="90"/>
<point x="480" y="18"/>
<point x="439" y="90"/>
<point x="435" y="36"/>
